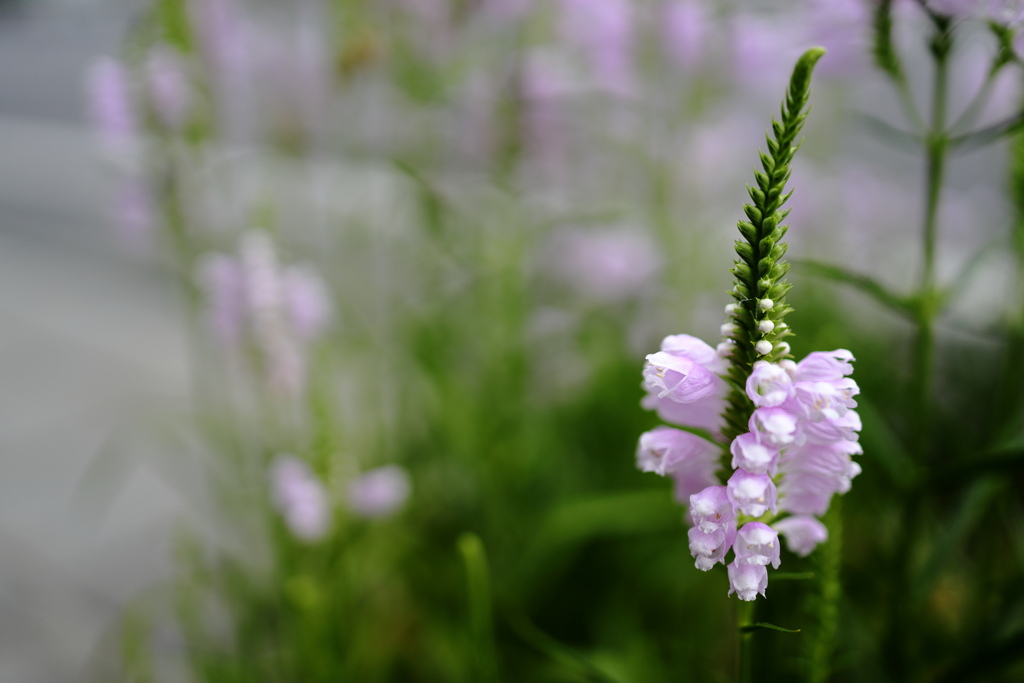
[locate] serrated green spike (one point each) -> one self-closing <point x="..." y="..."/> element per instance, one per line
<point x="763" y="249"/>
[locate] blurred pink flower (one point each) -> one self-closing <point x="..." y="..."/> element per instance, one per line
<point x="605" y="264"/>
<point x="300" y="498"/>
<point x="603" y="31"/>
<point x="379" y="492"/>
<point x="111" y="106"/>
<point x="169" y="87"/>
<point x="684" y="25"/>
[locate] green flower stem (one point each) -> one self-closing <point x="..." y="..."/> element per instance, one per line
<point x="744" y="654"/>
<point x="825" y="602"/>
<point x="928" y="308"/>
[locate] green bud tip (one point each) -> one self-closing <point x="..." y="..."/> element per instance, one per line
<point x="804" y="67"/>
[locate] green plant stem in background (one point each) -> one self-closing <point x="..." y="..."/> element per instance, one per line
<point x="928" y="300"/>
<point x="923" y="351"/>
<point x="478" y="588"/>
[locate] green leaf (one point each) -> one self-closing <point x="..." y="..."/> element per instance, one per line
<point x="766" y="626"/>
<point x="862" y="283"/>
<point x="478" y="588"/>
<point x="557" y="651"/>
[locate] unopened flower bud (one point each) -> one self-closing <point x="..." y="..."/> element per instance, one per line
<point x="766" y="326"/>
<point x="782" y="348"/>
<point x="732" y="309"/>
<point x="724" y="349"/>
<point x="728" y="329"/>
<point x="766" y="304"/>
<point x="763" y="347"/>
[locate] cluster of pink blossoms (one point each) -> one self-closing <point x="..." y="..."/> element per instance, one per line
<point x="797" y="454"/>
<point x="279" y="310"/>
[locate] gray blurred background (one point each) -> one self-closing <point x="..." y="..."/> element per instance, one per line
<point x="90" y="351"/>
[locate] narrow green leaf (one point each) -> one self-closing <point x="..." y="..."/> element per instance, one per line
<point x="557" y="651"/>
<point x="478" y="588"/>
<point x="863" y="283"/>
<point x="766" y="626"/>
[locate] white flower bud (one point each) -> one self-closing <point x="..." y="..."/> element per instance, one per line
<point x="763" y="347"/>
<point x="724" y="350"/>
<point x="782" y="348"/>
<point x="766" y="304"/>
<point x="732" y="309"/>
<point x="766" y="326"/>
<point x="728" y="329"/>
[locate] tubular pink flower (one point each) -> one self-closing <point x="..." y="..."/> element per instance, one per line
<point x="690" y="460"/>
<point x="711" y="510"/>
<point x="757" y="543"/>
<point x="816" y="401"/>
<point x="752" y="494"/>
<point x="752" y="456"/>
<point x="824" y="366"/>
<point x="833" y="429"/>
<point x="747" y="580"/>
<point x="708" y="549"/>
<point x="705" y="414"/>
<point x="678" y="378"/>
<point x="687" y="389"/>
<point x="802" y="533"/>
<point x="769" y="384"/>
<point x="774" y="427"/>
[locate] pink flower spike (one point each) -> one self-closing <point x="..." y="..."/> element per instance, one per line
<point x="752" y="494"/>
<point x="774" y="427"/>
<point x="757" y="543"/>
<point x="747" y="580"/>
<point x="802" y="533"/>
<point x="769" y="384"/>
<point x="752" y="456"/>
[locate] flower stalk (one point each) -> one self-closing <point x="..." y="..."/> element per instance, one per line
<point x="759" y="331"/>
